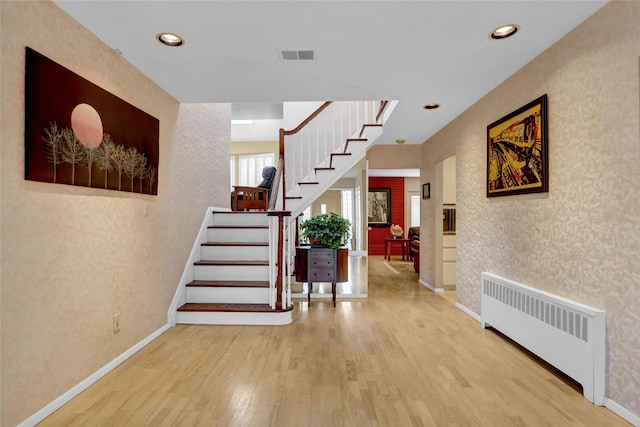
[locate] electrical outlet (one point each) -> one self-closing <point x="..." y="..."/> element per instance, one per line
<point x="116" y="323"/>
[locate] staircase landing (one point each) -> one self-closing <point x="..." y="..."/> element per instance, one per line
<point x="232" y="314"/>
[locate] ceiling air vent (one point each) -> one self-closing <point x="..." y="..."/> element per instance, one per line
<point x="297" y="55"/>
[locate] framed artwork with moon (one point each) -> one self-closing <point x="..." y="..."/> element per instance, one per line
<point x="77" y="133"/>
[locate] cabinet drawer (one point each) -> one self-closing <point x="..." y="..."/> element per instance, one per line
<point x="449" y="254"/>
<point x="321" y="275"/>
<point x="321" y="254"/>
<point x="449" y="240"/>
<point x="322" y="263"/>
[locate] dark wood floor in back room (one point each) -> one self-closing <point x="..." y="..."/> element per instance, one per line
<point x="404" y="356"/>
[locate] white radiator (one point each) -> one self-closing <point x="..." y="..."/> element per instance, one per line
<point x="568" y="335"/>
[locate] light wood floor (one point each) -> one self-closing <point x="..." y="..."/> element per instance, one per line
<point x="403" y="357"/>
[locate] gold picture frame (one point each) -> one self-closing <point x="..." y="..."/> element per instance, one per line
<point x="517" y="151"/>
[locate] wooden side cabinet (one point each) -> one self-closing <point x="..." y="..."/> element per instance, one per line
<point x="322" y="265"/>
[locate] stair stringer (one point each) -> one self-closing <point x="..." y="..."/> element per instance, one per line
<point x="326" y="178"/>
<point x="180" y="296"/>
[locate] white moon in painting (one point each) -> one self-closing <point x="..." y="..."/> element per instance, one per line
<point x="87" y="125"/>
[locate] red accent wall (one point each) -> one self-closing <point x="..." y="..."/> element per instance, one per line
<point x="377" y="235"/>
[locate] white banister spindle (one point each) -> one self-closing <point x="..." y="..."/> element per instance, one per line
<point x="325" y="134"/>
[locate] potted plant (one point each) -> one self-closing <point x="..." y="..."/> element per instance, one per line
<point x="326" y="230"/>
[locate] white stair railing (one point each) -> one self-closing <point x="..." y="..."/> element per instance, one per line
<point x="305" y="148"/>
<point x="327" y="133"/>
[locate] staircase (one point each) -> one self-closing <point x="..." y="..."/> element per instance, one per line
<point x="236" y="271"/>
<point x="335" y="165"/>
<point x="230" y="280"/>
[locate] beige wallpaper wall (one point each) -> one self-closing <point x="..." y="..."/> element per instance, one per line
<point x="73" y="257"/>
<point x="384" y="156"/>
<point x="581" y="240"/>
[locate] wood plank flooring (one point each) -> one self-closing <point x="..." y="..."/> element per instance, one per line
<point x="403" y="357"/>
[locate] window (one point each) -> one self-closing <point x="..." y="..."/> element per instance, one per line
<point x="306" y="214"/>
<point x="250" y="167"/>
<point x="415" y="211"/>
<point x="347" y="209"/>
<point x="357" y="224"/>
<point x="232" y="170"/>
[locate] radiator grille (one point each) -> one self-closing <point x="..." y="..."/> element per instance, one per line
<point x="567" y="320"/>
<point x="567" y="334"/>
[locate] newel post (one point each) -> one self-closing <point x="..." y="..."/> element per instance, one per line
<point x="280" y="270"/>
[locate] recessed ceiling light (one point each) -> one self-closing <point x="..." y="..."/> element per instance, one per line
<point x="503" y="32"/>
<point x="400" y="141"/>
<point x="170" y="39"/>
<point x="242" y="122"/>
<point x="431" y="106"/>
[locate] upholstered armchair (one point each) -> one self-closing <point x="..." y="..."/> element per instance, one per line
<point x="254" y="198"/>
<point x="414" y="247"/>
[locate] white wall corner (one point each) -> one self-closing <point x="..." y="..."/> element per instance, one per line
<point x="430" y="287"/>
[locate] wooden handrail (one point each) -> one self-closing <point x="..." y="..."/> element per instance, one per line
<point x="308" y="119"/>
<point x="283" y="133"/>
<point x="383" y="106"/>
<point x="280" y="183"/>
<point x="276" y="184"/>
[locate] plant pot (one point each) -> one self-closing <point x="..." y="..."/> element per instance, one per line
<point x="314" y="243"/>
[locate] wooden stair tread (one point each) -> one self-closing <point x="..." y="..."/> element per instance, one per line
<point x="306" y="183"/>
<point x="229" y="283"/>
<point x="230" y="307"/>
<point x="235" y="244"/>
<point x="239" y="212"/>
<point x="239" y="226"/>
<point x="369" y="125"/>
<point x="293" y="197"/>
<point x="231" y="262"/>
<point x="357" y="139"/>
<point x="325" y="169"/>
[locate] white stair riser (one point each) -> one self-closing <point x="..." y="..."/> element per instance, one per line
<point x="227" y="318"/>
<point x="238" y="234"/>
<point x="225" y="253"/>
<point x="231" y="272"/>
<point x="228" y="295"/>
<point x="240" y="219"/>
<point x="341" y="164"/>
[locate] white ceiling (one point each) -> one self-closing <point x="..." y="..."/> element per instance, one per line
<point x="416" y="52"/>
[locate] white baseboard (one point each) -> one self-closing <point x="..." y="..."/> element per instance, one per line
<point x="622" y="412"/>
<point x="431" y="288"/>
<point x="299" y="295"/>
<point x="66" y="397"/>
<point x="468" y="312"/>
<point x="231" y="318"/>
<point x="358" y="253"/>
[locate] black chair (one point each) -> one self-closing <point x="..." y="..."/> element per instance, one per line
<point x="254" y="198"/>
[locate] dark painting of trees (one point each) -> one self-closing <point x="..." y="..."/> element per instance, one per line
<point x="77" y="133"/>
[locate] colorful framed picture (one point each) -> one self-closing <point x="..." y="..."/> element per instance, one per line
<point x="517" y="151"/>
<point x="77" y="133"/>
<point x="379" y="207"/>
